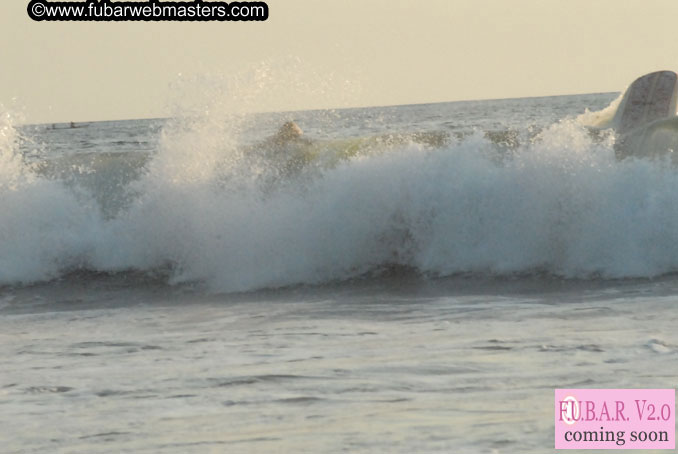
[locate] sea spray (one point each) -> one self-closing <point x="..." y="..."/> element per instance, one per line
<point x="208" y="206"/>
<point x="46" y="229"/>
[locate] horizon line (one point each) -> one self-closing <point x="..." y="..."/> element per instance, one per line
<point x="326" y="108"/>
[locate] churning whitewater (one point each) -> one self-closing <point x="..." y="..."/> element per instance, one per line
<point x="197" y="200"/>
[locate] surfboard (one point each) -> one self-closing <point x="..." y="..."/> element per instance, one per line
<point x="649" y="98"/>
<point x="655" y="140"/>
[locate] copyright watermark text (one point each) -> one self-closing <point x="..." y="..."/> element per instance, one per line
<point x="151" y="10"/>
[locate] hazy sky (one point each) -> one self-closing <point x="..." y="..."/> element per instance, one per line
<point x="334" y="53"/>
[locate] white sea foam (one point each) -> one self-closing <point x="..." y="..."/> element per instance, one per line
<point x="560" y="204"/>
<point x="601" y="118"/>
<point x="45" y="228"/>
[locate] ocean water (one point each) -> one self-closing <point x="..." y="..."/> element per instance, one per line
<point x="409" y="279"/>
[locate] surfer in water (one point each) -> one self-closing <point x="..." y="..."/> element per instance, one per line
<point x="288" y="148"/>
<point x="289" y="133"/>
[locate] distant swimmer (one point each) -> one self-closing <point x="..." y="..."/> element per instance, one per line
<point x="72" y="125"/>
